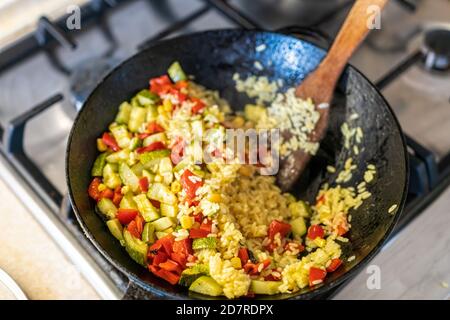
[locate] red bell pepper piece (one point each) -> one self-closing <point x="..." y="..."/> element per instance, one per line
<point x="316" y="274"/>
<point x="160" y="257"/>
<point x="198" y="106"/>
<point x="110" y="141"/>
<point x="139" y="223"/>
<point x="151" y="147"/>
<point x="125" y="216"/>
<point x="170" y="277"/>
<point x="133" y="229"/>
<point x="335" y="263"/>
<point x="278" y="227"/>
<point x="315" y="231"/>
<point x="342" y="229"/>
<point x="160" y="85"/>
<point x="171" y="265"/>
<point x="153" y="127"/>
<point x="196" y="233"/>
<point x="179" y="258"/>
<point x="167" y="243"/>
<point x="181" y="97"/>
<point x="272" y="277"/>
<point x="190" y="183"/>
<point x="155" y="203"/>
<point x="107" y="193"/>
<point x="183" y="246"/>
<point x="93" y="189"/>
<point x="117" y="196"/>
<point x="243" y="255"/>
<point x="181" y="84"/>
<point x="206" y="225"/>
<point x="143" y="183"/>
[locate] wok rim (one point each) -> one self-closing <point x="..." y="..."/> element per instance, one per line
<point x="161" y="293"/>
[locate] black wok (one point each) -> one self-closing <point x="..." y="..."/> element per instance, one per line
<point x="213" y="57"/>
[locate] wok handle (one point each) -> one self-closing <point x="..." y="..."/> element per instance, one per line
<point x="136" y="292"/>
<point x="312" y="34"/>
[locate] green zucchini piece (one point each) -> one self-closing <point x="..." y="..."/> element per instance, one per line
<point x="147" y="210"/>
<point x="149" y="158"/>
<point x="148" y="233"/>
<point x="128" y="177"/>
<point x="116" y="229"/>
<point x="188" y="276"/>
<point x="300" y="209"/>
<point x="176" y="73"/>
<point x="99" y="164"/>
<point x="152" y="113"/>
<point x="161" y="193"/>
<point x="156" y="137"/>
<point x="162" y="223"/>
<point x="118" y="156"/>
<point x="136" y="248"/>
<point x="298" y="226"/>
<point x="110" y="178"/>
<point x="265" y="287"/>
<point x="168" y="210"/>
<point x="121" y="135"/>
<point x="123" y="116"/>
<point x="138" y="116"/>
<point x="146" y="97"/>
<point x="135" y="143"/>
<point x="127" y="202"/>
<point x="107" y="208"/>
<point x="204" y="243"/>
<point x="161" y="234"/>
<point x="206" y="285"/>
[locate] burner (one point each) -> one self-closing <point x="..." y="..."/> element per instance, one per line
<point x="436" y="48"/>
<point x="86" y="76"/>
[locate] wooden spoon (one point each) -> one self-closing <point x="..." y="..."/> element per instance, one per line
<point x="320" y="84"/>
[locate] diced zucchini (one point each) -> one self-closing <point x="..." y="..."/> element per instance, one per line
<point x="300" y="209"/>
<point x="148" y="233"/>
<point x="298" y="227"/>
<point x="107" y="208"/>
<point x="161" y="234"/>
<point x="138" y="116"/>
<point x="265" y="287"/>
<point x="124" y="113"/>
<point x="101" y="146"/>
<point x="188" y="276"/>
<point x="110" y="178"/>
<point x="146" y="97"/>
<point x="118" y="156"/>
<point x="116" y="229"/>
<point x="135" y="142"/>
<point x="127" y="202"/>
<point x="162" y="223"/>
<point x="147" y="210"/>
<point x="152" y="113"/>
<point x="206" y="285"/>
<point x="149" y="158"/>
<point x="204" y="243"/>
<point x="128" y="177"/>
<point x="135" y="102"/>
<point x="168" y="210"/>
<point x="165" y="165"/>
<point x="182" y="164"/>
<point x="99" y="164"/>
<point x="176" y="73"/>
<point x="161" y="193"/>
<point x="121" y="135"/>
<point x="136" y="248"/>
<point x="138" y="169"/>
<point x="150" y="176"/>
<point x="254" y="113"/>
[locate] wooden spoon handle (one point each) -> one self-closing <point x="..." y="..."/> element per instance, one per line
<point x="353" y="31"/>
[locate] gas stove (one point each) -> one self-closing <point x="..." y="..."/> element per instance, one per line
<point x="47" y="73"/>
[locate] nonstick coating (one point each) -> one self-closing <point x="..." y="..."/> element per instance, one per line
<point x="213" y="57"/>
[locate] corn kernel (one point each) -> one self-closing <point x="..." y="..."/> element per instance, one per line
<point x="215" y="197"/>
<point x="158" y="178"/>
<point x="236" y="263"/>
<point x="169" y="230"/>
<point x="101" y="187"/>
<point x="186" y="222"/>
<point x="101" y="146"/>
<point x="167" y="104"/>
<point x="175" y="187"/>
<point x="160" y="109"/>
<point x="320" y="242"/>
